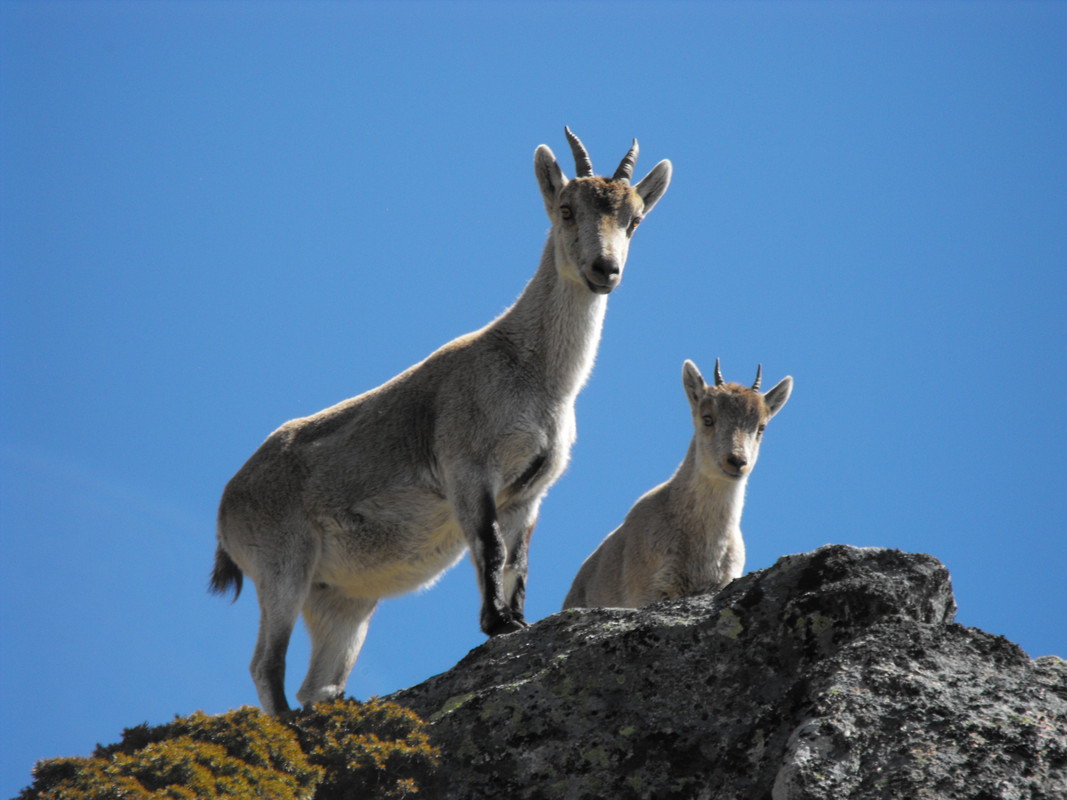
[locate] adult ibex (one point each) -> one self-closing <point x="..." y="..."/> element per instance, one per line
<point x="378" y="495"/>
<point x="684" y="537"/>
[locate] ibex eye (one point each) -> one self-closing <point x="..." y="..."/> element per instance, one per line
<point x="709" y="421"/>
<point x="565" y="212"/>
<point x="760" y="430"/>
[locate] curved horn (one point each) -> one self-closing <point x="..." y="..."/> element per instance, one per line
<point x="626" y="167"/>
<point x="718" y="374"/>
<point x="759" y="377"/>
<point x="583" y="166"/>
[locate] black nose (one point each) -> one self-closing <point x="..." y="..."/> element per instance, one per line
<point x="606" y="268"/>
<point x="736" y="461"/>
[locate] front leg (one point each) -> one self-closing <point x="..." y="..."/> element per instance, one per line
<point x="478" y="517"/>
<point x="516" y="568"/>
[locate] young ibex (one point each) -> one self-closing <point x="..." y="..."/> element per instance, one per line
<point x="378" y="495"/>
<point x="684" y="537"/>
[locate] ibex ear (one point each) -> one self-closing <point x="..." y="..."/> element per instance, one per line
<point x="549" y="177"/>
<point x="777" y="396"/>
<point x="654" y="184"/>
<point x="693" y="382"/>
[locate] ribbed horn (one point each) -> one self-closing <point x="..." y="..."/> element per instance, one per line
<point x="583" y="165"/>
<point x="626" y="168"/>
<point x="759" y="377"/>
<point x="718" y="374"/>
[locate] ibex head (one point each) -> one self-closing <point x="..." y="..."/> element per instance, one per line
<point x="729" y="420"/>
<point x="593" y="217"/>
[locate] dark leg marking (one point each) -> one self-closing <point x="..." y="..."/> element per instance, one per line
<point x="497" y="616"/>
<point x="519" y="561"/>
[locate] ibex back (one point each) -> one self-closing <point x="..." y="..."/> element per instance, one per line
<point x="684" y="537"/>
<point x="380" y="494"/>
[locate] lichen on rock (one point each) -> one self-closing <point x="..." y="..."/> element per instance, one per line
<point x="833" y="674"/>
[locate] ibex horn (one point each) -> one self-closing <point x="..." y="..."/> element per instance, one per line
<point x="759" y="377"/>
<point x="583" y="166"/>
<point x="626" y="167"/>
<point x="718" y="374"/>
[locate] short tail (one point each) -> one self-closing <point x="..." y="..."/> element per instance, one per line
<point x="226" y="575"/>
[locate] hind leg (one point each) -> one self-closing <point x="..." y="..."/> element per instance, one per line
<point x="337" y="625"/>
<point x="279" y="607"/>
<point x="283" y="579"/>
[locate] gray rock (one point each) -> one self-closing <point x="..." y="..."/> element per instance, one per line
<point x="833" y="674"/>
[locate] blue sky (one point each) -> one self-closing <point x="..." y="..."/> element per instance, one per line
<point x="217" y="217"/>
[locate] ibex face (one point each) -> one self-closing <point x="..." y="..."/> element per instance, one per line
<point x="729" y="420"/>
<point x="593" y="218"/>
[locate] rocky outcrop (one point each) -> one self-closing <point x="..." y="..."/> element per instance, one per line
<point x="834" y="674"/>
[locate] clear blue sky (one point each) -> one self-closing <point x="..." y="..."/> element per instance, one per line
<point x="216" y="217"/>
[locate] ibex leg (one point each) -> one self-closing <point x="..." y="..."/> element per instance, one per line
<point x="338" y="627"/>
<point x="478" y="516"/>
<point x="279" y="608"/>
<point x="519" y="527"/>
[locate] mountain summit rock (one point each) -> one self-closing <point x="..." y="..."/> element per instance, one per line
<point x="833" y="674"/>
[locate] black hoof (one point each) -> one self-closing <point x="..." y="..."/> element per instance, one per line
<point x="506" y="626"/>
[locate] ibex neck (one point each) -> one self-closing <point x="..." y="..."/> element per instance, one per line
<point x="554" y="327"/>
<point x="709" y="503"/>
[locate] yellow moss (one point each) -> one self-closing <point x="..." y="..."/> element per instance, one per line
<point x="240" y="754"/>
<point x="596" y="756"/>
<point x="365" y="749"/>
<point x="729" y="624"/>
<point x="820" y="623"/>
<point x="335" y="749"/>
<point x="451" y="704"/>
